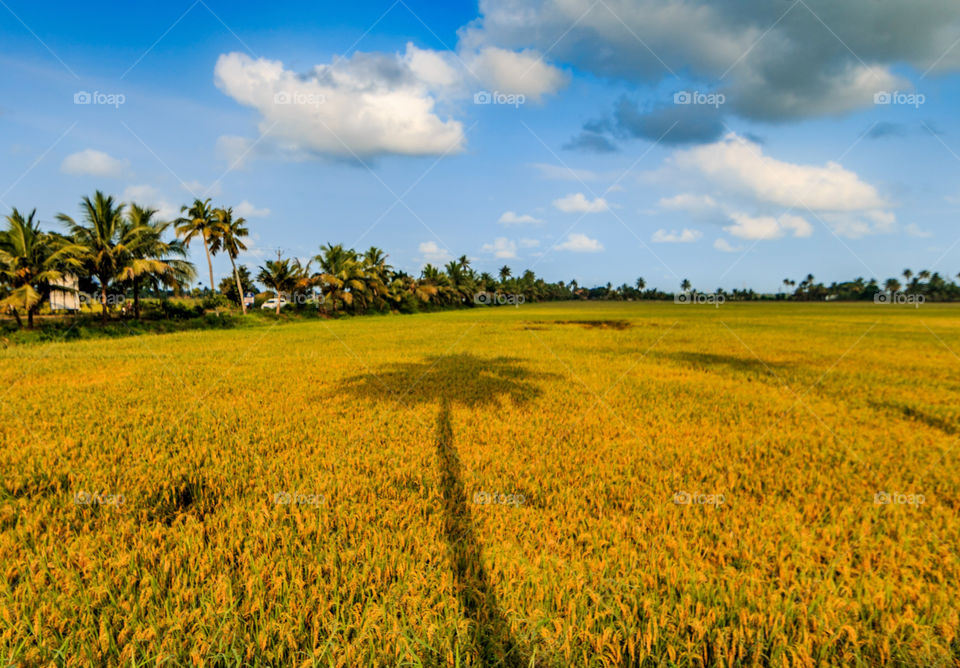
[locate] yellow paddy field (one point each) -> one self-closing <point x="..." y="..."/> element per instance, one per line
<point x="549" y="485"/>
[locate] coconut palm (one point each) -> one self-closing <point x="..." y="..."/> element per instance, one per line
<point x="892" y="285"/>
<point x="641" y="284"/>
<point x="280" y="275"/>
<point x="504" y="273"/>
<point x="199" y="221"/>
<point x="341" y="277"/>
<point x="150" y="258"/>
<point x="100" y="243"/>
<point x="30" y="260"/>
<point x="230" y="233"/>
<point x="685" y="285"/>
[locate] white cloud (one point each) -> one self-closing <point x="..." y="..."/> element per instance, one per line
<point x="724" y="245"/>
<point x="580" y="243"/>
<point x="91" y="162"/>
<point x="740" y="166"/>
<point x="524" y="72"/>
<point x="529" y="243"/>
<point x="501" y="248"/>
<point x="511" y="218"/>
<point x="740" y="171"/>
<point x="578" y="203"/>
<point x="248" y="210"/>
<point x="673" y="237"/>
<point x="148" y="196"/>
<point x="433" y="253"/>
<point x="366" y="105"/>
<point x="689" y="202"/>
<point x="768" y="227"/>
<point x="914" y="230"/>
<point x="196" y="188"/>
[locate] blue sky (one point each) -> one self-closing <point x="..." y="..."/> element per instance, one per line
<point x="787" y="162"/>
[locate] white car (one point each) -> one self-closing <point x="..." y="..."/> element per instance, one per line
<point x="271" y="304"/>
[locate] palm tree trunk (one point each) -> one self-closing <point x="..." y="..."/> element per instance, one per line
<point x="278" y="303"/>
<point x="206" y="249"/>
<point x="136" y="298"/>
<point x="16" y="314"/>
<point x="236" y="277"/>
<point x="30" y="318"/>
<point x="103" y="301"/>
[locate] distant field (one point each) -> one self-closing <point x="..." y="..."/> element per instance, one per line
<point x="589" y="484"/>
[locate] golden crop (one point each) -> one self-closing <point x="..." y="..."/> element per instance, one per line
<point x="659" y="485"/>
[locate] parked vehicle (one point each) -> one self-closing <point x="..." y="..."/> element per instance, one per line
<point x="271" y="303"/>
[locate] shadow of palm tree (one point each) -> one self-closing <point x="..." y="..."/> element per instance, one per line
<point x="469" y="381"/>
<point x="462" y="379"/>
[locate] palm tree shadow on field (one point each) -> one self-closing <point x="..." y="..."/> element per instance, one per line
<point x="472" y="382"/>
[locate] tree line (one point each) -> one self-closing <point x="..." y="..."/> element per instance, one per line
<point x="117" y="249"/>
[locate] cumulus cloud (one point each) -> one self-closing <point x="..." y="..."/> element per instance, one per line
<point x="580" y="243"/>
<point x="434" y="254"/>
<point x="529" y="243"/>
<point x="365" y="105"/>
<point x="740" y="170"/>
<point x="374" y="104"/>
<point x="196" y="188"/>
<point x="698" y="205"/>
<point x="150" y="197"/>
<point x="685" y="236"/>
<point x="666" y="123"/>
<point x="248" y="210"/>
<point x="523" y="73"/>
<point x="501" y="248"/>
<point x="91" y="162"/>
<point x="753" y="47"/>
<point x="511" y="218"/>
<point x="725" y="246"/>
<point x="578" y="203"/>
<point x="768" y="227"/>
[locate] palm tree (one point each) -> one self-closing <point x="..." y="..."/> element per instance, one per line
<point x="892" y="285"/>
<point x="907" y="274"/>
<point x="641" y="284"/>
<point x="150" y="258"/>
<point x="30" y="260"/>
<point x="504" y="273"/>
<point x="376" y="274"/>
<point x="98" y="243"/>
<point x="279" y="275"/>
<point x="200" y="221"/>
<point x="685" y="285"/>
<point x="341" y="277"/>
<point x="229" y="236"/>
